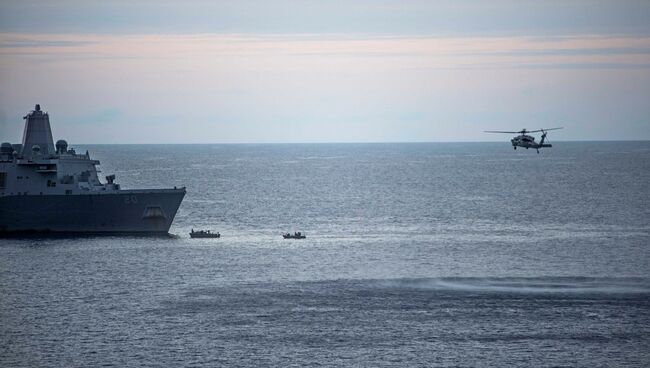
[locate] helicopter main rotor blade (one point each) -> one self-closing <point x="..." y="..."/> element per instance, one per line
<point x="543" y="130"/>
<point x="523" y="131"/>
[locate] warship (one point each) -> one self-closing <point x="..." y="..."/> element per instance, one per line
<point x="49" y="188"/>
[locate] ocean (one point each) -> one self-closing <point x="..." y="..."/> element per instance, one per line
<point x="420" y="254"/>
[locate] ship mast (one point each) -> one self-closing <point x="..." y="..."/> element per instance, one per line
<point x="37" y="133"/>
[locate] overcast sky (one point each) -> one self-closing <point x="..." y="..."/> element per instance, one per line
<point x="325" y="70"/>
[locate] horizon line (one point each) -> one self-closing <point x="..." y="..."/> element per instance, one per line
<point x="359" y="142"/>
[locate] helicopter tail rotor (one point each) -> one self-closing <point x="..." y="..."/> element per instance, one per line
<point x="544" y="133"/>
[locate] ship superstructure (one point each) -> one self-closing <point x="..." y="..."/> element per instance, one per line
<point x="48" y="187"/>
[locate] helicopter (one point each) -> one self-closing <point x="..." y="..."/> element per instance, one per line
<point x="527" y="141"/>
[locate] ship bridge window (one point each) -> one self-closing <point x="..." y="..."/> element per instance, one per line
<point x="3" y="180"/>
<point x="84" y="176"/>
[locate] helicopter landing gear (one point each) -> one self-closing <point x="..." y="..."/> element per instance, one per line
<point x="538" y="152"/>
<point x="515" y="147"/>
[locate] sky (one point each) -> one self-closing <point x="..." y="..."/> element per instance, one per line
<point x="286" y="71"/>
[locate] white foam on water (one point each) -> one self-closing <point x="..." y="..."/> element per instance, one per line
<point x="566" y="285"/>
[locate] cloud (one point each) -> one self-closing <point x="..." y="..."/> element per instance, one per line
<point x="296" y="50"/>
<point x="378" y="17"/>
<point x="18" y="43"/>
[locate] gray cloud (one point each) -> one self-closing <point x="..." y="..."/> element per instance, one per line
<point x="21" y="43"/>
<point x="451" y="17"/>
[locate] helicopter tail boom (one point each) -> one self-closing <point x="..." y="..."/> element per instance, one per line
<point x="541" y="142"/>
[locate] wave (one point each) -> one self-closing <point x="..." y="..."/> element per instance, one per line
<point x="567" y="285"/>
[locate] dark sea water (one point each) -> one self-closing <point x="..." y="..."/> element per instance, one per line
<point x="447" y="254"/>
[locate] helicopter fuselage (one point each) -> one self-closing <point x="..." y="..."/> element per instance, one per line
<point x="527" y="141"/>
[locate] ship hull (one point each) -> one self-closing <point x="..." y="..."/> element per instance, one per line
<point x="126" y="211"/>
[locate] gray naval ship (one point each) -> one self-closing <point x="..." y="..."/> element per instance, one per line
<point x="50" y="188"/>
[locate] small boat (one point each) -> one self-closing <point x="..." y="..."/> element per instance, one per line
<point x="296" y="235"/>
<point x="204" y="234"/>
